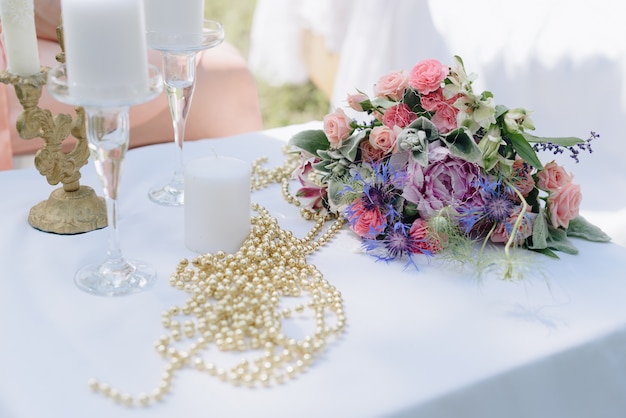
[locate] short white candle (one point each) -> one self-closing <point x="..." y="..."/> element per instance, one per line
<point x="174" y="16"/>
<point x="20" y="37"/>
<point x="106" y="50"/>
<point x="217" y="204"/>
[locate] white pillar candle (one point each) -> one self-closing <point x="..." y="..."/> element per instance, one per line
<point x="217" y="204"/>
<point x="174" y="17"/>
<point x="106" y="50"/>
<point x="20" y="37"/>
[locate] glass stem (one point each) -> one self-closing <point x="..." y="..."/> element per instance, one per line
<point x="179" y="71"/>
<point x="114" y="251"/>
<point x="108" y="131"/>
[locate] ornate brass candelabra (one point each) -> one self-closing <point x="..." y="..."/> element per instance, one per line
<point x="73" y="208"/>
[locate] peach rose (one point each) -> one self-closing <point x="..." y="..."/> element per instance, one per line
<point x="427" y="76"/>
<point x="337" y="127"/>
<point x="392" y="85"/>
<point x="564" y="204"/>
<point x="355" y="100"/>
<point x="383" y="138"/>
<point x="369" y="153"/>
<point x="552" y="177"/>
<point x="399" y="115"/>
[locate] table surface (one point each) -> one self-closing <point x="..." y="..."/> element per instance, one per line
<point x="433" y="342"/>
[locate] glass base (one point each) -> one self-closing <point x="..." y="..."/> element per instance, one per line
<point x="172" y="194"/>
<point x="115" y="279"/>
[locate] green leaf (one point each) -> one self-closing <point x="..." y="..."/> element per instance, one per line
<point x="548" y="252"/>
<point x="310" y="140"/>
<point x="558" y="241"/>
<point x="429" y="128"/>
<point x="581" y="228"/>
<point x="565" y="141"/>
<point x="501" y="110"/>
<point x="421" y="157"/>
<point x="540" y="232"/>
<point x="412" y="99"/>
<point x="523" y="148"/>
<point x="381" y="102"/>
<point x="461" y="144"/>
<point x="350" y="146"/>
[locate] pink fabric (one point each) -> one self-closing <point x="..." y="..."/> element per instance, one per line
<point x="6" y="153"/>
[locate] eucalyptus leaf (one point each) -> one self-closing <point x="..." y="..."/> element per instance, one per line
<point x="523" y="148"/>
<point x="461" y="144"/>
<point x="311" y="141"/>
<point x="579" y="227"/>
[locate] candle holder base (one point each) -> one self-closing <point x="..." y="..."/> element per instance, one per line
<point x="69" y="213"/>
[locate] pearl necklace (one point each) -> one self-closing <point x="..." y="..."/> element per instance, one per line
<point x="235" y="303"/>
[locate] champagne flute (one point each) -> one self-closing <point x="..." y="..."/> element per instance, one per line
<point x="179" y="52"/>
<point x="107" y="123"/>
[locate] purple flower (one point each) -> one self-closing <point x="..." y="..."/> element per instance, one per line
<point x="447" y="181"/>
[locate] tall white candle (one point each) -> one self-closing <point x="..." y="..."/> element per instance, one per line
<point x="171" y="18"/>
<point x="20" y="37"/>
<point x="105" y="48"/>
<point x="217" y="204"/>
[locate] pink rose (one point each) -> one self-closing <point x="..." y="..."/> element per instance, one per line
<point x="427" y="76"/>
<point x="552" y="177"/>
<point x="383" y="138"/>
<point x="337" y="127"/>
<point x="355" y="100"/>
<point x="564" y="204"/>
<point x="367" y="223"/>
<point x="399" y="115"/>
<point x="445" y="118"/>
<point x="392" y="85"/>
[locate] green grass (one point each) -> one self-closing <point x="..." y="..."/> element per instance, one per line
<point x="280" y="106"/>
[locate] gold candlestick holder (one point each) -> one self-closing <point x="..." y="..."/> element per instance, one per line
<point x="73" y="208"/>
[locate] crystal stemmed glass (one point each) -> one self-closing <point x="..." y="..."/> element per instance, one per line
<point x="179" y="52"/>
<point x="107" y="129"/>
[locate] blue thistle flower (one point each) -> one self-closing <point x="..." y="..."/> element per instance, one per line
<point x="397" y="243"/>
<point x="497" y="205"/>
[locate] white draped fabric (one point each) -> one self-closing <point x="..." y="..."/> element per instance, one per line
<point x="565" y="60"/>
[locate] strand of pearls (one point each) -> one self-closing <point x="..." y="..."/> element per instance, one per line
<point x="235" y="304"/>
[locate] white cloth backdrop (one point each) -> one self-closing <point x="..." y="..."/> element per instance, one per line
<point x="563" y="60"/>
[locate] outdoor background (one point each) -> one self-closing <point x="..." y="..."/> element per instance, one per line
<point x="283" y="105"/>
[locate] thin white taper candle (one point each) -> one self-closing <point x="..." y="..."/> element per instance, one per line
<point x="20" y="37"/>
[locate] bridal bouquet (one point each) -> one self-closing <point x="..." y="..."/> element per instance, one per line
<point x="435" y="168"/>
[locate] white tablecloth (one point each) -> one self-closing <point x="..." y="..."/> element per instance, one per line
<point x="429" y="343"/>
